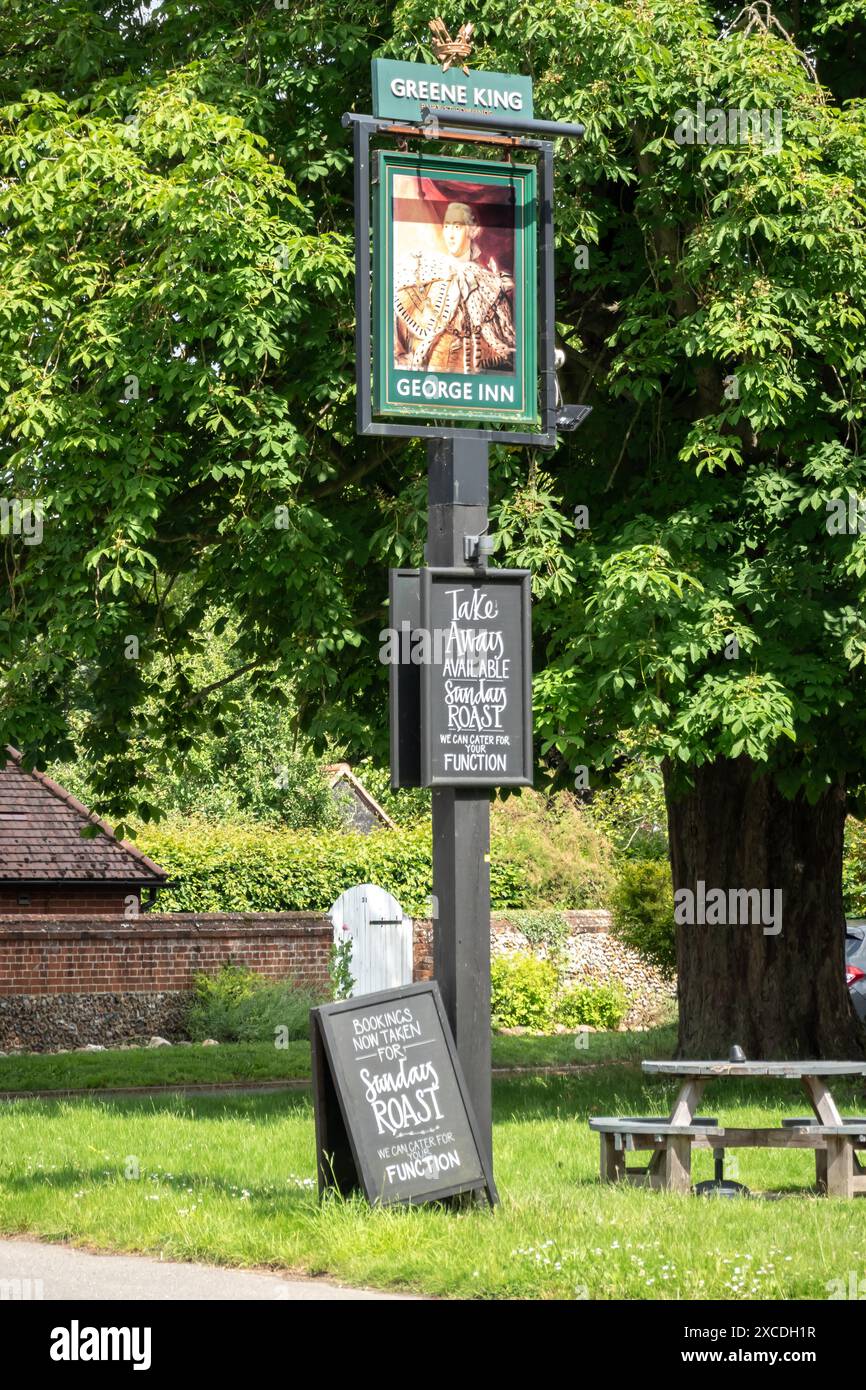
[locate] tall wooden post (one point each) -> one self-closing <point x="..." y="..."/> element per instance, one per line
<point x="457" y="474"/>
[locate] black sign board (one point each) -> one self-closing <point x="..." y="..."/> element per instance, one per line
<point x="404" y="678"/>
<point x="476" y="686"/>
<point x="392" y="1113"/>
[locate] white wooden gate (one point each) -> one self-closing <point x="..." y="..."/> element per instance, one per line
<point x="381" y="937"/>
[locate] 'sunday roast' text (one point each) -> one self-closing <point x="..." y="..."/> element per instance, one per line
<point x="403" y="1096"/>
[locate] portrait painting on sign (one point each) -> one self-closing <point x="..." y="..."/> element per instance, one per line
<point x="453" y="275"/>
<point x="454" y="288"/>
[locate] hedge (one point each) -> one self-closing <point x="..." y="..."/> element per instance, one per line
<point x="221" y="869"/>
<point x="642" y="909"/>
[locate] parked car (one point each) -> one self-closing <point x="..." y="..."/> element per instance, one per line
<point x="855" y="964"/>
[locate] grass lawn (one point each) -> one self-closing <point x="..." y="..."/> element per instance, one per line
<point x="166" y="1066"/>
<point x="154" y="1066"/>
<point x="231" y="1180"/>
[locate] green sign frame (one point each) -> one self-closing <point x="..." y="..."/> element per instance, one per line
<point x="477" y="392"/>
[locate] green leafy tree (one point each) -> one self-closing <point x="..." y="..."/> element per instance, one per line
<point x="719" y="329"/>
<point x="175" y="366"/>
<point x="175" y="207"/>
<point x="247" y="762"/>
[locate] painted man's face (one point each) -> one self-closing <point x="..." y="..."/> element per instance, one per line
<point x="457" y="239"/>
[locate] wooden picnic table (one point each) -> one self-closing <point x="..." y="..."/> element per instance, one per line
<point x="815" y="1078"/>
<point x="835" y="1140"/>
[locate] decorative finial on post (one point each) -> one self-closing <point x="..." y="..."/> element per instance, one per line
<point x="448" y="50"/>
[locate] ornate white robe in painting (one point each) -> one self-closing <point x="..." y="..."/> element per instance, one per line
<point x="452" y="315"/>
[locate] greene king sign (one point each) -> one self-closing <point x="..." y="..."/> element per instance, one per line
<point x="401" y="89"/>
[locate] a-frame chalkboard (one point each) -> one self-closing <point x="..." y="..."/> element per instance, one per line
<point x="393" y="1117"/>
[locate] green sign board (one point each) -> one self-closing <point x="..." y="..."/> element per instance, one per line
<point x="455" y="288"/>
<point x="401" y="89"/>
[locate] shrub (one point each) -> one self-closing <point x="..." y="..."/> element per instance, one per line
<point x="597" y="1005"/>
<point x="340" y="969"/>
<point x="548" y="929"/>
<point x="557" y="857"/>
<point x="230" y="984"/>
<point x="229" y="869"/>
<point x="642" y="908"/>
<point x="630" y="809"/>
<point x="522" y="991"/>
<point x="277" y="1011"/>
<point x="854" y="869"/>
<point x="544" y="855"/>
<point x="237" y="1005"/>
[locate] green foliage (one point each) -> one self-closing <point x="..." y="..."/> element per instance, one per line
<point x="854" y="869"/>
<point x="547" y="856"/>
<point x="630" y="809"/>
<point x="216" y="998"/>
<point x="175" y="206"/>
<point x="237" y="1005"/>
<point x="276" y="1012"/>
<point x="642" y="909"/>
<point x="708" y="608"/>
<point x="561" y="860"/>
<point x="340" y="969"/>
<point x="548" y="929"/>
<point x="595" y="1005"/>
<point x="247" y="763"/>
<point x="228" y="986"/>
<point x="225" y="869"/>
<point x="522" y="991"/>
<point x="175" y="358"/>
<point x="408" y="806"/>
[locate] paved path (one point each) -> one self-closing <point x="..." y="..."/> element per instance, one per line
<point x="61" y="1272"/>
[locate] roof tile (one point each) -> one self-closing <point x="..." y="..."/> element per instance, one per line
<point x="40" y="835"/>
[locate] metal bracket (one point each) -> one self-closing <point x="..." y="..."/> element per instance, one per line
<point x="478" y="549"/>
<point x="477" y="120"/>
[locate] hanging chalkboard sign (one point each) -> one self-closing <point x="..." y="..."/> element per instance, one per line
<point x="476" y="683"/>
<point x="393" y="1117"/>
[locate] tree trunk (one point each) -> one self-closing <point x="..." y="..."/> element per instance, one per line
<point x="778" y="994"/>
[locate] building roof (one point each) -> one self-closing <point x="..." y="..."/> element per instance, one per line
<point x="40" y="836"/>
<point x="338" y="773"/>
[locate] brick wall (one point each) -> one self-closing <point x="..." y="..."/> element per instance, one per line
<point x="422" y="950"/>
<point x="89" y="900"/>
<point x="156" y="951"/>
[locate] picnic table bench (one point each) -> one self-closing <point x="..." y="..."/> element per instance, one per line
<point x="835" y="1139"/>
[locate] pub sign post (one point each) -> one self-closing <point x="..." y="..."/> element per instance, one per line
<point x="454" y="338"/>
